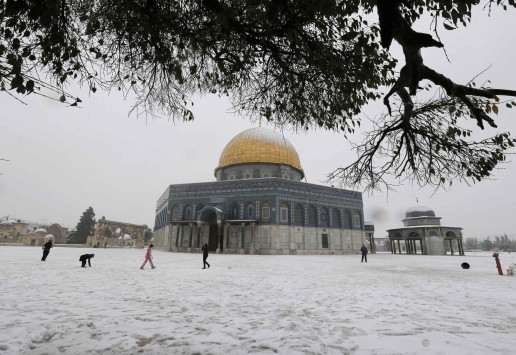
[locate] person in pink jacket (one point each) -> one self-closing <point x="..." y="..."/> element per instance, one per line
<point x="148" y="257"/>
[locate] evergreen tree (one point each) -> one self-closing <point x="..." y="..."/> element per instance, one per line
<point x="486" y="245"/>
<point x="85" y="228"/>
<point x="471" y="243"/>
<point x="148" y="235"/>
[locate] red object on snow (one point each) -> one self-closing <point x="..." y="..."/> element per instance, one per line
<point x="498" y="265"/>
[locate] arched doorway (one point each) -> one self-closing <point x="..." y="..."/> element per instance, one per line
<point x="412" y="243"/>
<point x="211" y="216"/>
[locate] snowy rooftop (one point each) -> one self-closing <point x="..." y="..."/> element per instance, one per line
<point x="419" y="211"/>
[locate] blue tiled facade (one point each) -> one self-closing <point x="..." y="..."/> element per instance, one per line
<point x="266" y="216"/>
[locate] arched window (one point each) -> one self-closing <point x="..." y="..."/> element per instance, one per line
<point x="324" y="217"/>
<point x="357" y="224"/>
<point x="347" y="219"/>
<point x="298" y="215"/>
<point x="397" y="235"/>
<point x="249" y="211"/>
<point x="234" y="211"/>
<point x="284" y="212"/>
<point x="450" y="234"/>
<point x="187" y="215"/>
<point x="312" y="215"/>
<point x="433" y="234"/>
<point x="335" y="218"/>
<point x="175" y="213"/>
<point x="266" y="212"/>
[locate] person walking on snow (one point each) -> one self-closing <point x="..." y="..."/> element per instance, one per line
<point x="364" y="253"/>
<point x="46" y="249"/>
<point x="205" y="255"/>
<point x="148" y="257"/>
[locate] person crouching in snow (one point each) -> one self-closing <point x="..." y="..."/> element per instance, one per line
<point x="148" y="257"/>
<point x="85" y="257"/>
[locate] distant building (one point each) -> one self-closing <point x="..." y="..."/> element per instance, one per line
<point x="12" y="230"/>
<point x="259" y="205"/>
<point x="59" y="233"/>
<point x="25" y="233"/>
<point x="117" y="234"/>
<point x="423" y="234"/>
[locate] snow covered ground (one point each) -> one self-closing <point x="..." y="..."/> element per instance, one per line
<point x="394" y="304"/>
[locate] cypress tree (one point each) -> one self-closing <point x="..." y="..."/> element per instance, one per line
<point x="85" y="228"/>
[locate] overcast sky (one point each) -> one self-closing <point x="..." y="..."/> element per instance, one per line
<point x="63" y="160"/>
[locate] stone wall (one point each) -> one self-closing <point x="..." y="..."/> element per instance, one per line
<point x="11" y="233"/>
<point x="106" y="234"/>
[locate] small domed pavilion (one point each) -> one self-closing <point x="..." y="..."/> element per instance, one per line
<point x="423" y="234"/>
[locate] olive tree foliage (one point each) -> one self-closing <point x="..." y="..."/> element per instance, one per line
<point x="297" y="63"/>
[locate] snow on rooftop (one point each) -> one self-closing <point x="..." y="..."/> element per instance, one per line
<point x="419" y="209"/>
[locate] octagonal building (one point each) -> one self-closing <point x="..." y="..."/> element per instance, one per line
<point x="259" y="205"/>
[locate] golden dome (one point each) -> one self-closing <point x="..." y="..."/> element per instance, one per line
<point x="259" y="145"/>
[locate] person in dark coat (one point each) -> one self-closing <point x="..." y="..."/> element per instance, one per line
<point x="364" y="253"/>
<point x="46" y="249"/>
<point x="205" y="255"/>
<point x="84" y="258"/>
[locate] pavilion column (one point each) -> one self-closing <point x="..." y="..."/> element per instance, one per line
<point x="242" y="251"/>
<point x="181" y="235"/>
<point x="399" y="247"/>
<point x="190" y="236"/>
<point x="225" y="238"/>
<point x="219" y="237"/>
<point x="421" y="244"/>
<point x="169" y="237"/>
<point x="252" y="250"/>
<point x="451" y="246"/>
<point x="461" y="247"/>
<point x="178" y="235"/>
<point x="198" y="236"/>
<point x="393" y="246"/>
<point x="407" y="247"/>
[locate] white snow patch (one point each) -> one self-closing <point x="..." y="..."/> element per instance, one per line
<point x="394" y="304"/>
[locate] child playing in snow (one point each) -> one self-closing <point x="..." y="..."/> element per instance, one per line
<point x="148" y="257"/>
